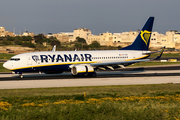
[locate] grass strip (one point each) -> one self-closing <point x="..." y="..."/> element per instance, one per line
<point x="6" y="56"/>
<point x="160" y="101"/>
<point x="2" y="69"/>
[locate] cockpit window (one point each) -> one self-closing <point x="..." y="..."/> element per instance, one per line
<point x="15" y="59"/>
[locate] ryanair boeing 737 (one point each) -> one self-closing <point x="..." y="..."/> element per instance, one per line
<point x="83" y="63"/>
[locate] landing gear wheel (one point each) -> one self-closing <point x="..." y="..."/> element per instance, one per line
<point x="20" y="76"/>
<point x="75" y="76"/>
<point x="93" y="74"/>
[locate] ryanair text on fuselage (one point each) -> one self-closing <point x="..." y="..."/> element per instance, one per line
<point x="62" y="58"/>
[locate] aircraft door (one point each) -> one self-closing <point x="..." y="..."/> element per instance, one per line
<point x="12" y="63"/>
<point x="29" y="62"/>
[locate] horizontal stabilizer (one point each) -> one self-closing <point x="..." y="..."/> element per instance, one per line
<point x="160" y="54"/>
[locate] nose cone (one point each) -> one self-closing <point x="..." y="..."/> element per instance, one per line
<point x="7" y="65"/>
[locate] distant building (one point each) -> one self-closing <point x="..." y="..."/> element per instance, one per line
<point x="158" y="40"/>
<point x="7" y="33"/>
<point x="125" y="38"/>
<point x="128" y="36"/>
<point x="28" y="34"/>
<point x="82" y="33"/>
<point x="116" y="39"/>
<point x="2" y="32"/>
<point x="103" y="39"/>
<point x="49" y="35"/>
<point x="171" y="39"/>
<point x="64" y="36"/>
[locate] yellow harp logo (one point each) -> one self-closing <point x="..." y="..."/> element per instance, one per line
<point x="145" y="35"/>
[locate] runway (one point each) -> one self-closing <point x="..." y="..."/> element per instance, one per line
<point x="129" y="76"/>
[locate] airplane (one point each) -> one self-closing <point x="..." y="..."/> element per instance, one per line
<point x="84" y="63"/>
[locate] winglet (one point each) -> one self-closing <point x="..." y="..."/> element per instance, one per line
<point x="143" y="39"/>
<point x="160" y="54"/>
<point x="54" y="48"/>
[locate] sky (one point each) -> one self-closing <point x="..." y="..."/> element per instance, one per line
<point x="115" y="16"/>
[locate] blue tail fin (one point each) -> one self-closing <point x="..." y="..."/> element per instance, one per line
<point x="143" y="39"/>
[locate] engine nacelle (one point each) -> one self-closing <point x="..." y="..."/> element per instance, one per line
<point x="82" y="69"/>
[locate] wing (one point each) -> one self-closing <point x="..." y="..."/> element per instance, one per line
<point x="119" y="63"/>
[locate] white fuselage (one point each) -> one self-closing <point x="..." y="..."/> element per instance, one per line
<point x="39" y="61"/>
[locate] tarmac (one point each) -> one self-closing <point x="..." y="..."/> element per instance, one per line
<point x="104" y="78"/>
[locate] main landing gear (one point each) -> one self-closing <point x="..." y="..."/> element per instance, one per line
<point x="20" y="75"/>
<point x="94" y="74"/>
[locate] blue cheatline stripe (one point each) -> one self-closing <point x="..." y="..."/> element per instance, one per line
<point x="58" y="64"/>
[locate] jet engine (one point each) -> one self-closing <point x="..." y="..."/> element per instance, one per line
<point x="82" y="70"/>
